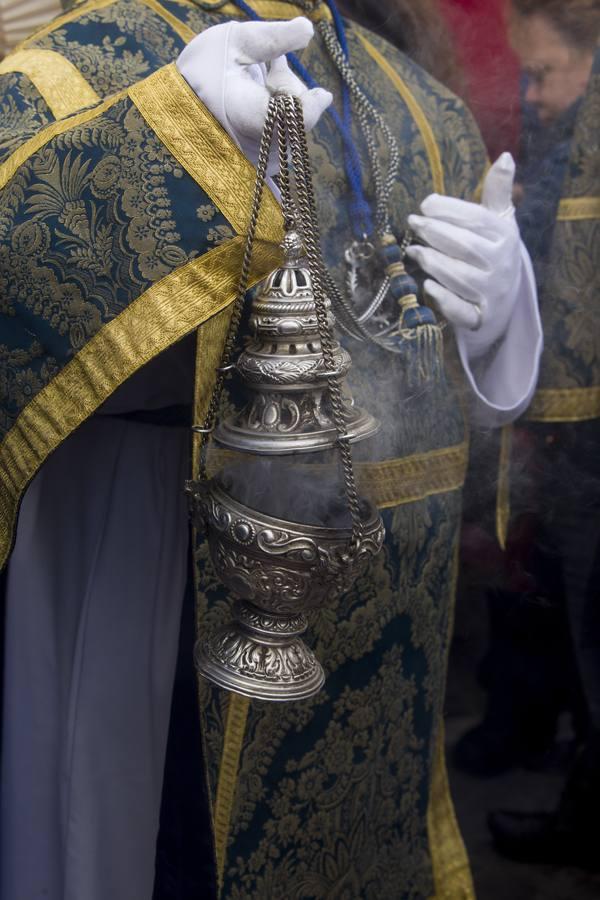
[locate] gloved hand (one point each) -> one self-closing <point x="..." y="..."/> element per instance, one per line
<point x="475" y="255"/>
<point x="226" y="66"/>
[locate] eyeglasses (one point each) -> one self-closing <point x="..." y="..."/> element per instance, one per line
<point x="536" y="75"/>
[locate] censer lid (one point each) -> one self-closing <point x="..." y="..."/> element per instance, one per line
<point x="285" y="373"/>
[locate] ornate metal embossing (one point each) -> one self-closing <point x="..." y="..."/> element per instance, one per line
<point x="285" y="371"/>
<point x="278" y="570"/>
<point x="235" y="659"/>
<point x="290" y="557"/>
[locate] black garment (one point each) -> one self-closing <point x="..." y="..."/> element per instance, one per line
<point x="569" y="464"/>
<point x="544" y="651"/>
<point x="185" y="856"/>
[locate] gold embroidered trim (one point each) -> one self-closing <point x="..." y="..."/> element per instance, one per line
<point x="184" y="31"/>
<point x="450" y="863"/>
<point x="70" y="16"/>
<point x="503" y="489"/>
<point x="565" y="405"/>
<point x="237" y="715"/>
<point x="396" y="481"/>
<point x="39" y="140"/>
<point x="478" y="194"/>
<point x="449" y="860"/>
<point x="573" y="209"/>
<point x="275" y="9"/>
<point x="57" y="80"/>
<point x="205" y="150"/>
<point x="431" y="146"/>
<point x="162" y="315"/>
<point x="266" y="9"/>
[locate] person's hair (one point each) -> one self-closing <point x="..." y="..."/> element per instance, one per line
<point x="416" y="27"/>
<point x="578" y="21"/>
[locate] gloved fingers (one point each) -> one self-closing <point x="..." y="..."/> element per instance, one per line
<point x="458" y="276"/>
<point x="455" y="241"/>
<point x="281" y="78"/>
<point x="314" y="102"/>
<point x="462" y="213"/>
<point x="497" y="192"/>
<point x="457" y="311"/>
<point x="263" y="41"/>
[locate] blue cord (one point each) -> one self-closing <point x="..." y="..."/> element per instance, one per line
<point x="360" y="210"/>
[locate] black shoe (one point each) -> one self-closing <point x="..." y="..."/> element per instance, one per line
<point x="540" y="838"/>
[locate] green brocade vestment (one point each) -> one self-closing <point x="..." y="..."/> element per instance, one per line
<point x="123" y="209"/>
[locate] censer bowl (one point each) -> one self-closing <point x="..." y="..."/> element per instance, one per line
<point x="277" y="569"/>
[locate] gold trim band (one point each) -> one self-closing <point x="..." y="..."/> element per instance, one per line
<point x="159" y="317"/>
<point x="237" y="715"/>
<point x="577" y="209"/>
<point x="57" y="80"/>
<point x="565" y="405"/>
<point x="396" y="481"/>
<point x="184" y="31"/>
<point x="275" y="9"/>
<point x="431" y="146"/>
<point x="450" y="863"/>
<point x="205" y="150"/>
<point x="503" y="489"/>
<point x="266" y="9"/>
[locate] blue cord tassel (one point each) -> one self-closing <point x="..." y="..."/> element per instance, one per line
<point x="418" y="337"/>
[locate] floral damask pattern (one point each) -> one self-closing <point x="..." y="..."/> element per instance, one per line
<point x="22" y="112"/>
<point x="569" y="296"/>
<point x="332" y="793"/>
<point x="115" y="46"/>
<point x="86" y="225"/>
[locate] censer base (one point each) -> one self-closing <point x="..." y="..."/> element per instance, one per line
<point x="261" y="656"/>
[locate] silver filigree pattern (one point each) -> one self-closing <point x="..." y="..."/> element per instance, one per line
<point x="278" y="570"/>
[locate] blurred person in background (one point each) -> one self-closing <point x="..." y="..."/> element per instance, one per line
<point x="529" y="670"/>
<point x="555" y="41"/>
<point x="462" y="43"/>
<point x="490" y="69"/>
<point x="554" y="539"/>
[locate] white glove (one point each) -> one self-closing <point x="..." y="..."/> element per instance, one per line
<point x="226" y="67"/>
<point x="475" y="256"/>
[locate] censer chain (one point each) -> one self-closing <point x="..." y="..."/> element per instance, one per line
<point x="291" y="119"/>
<point x="238" y="305"/>
<point x="286" y="113"/>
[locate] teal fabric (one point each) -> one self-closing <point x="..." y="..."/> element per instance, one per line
<point x="332" y="794"/>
